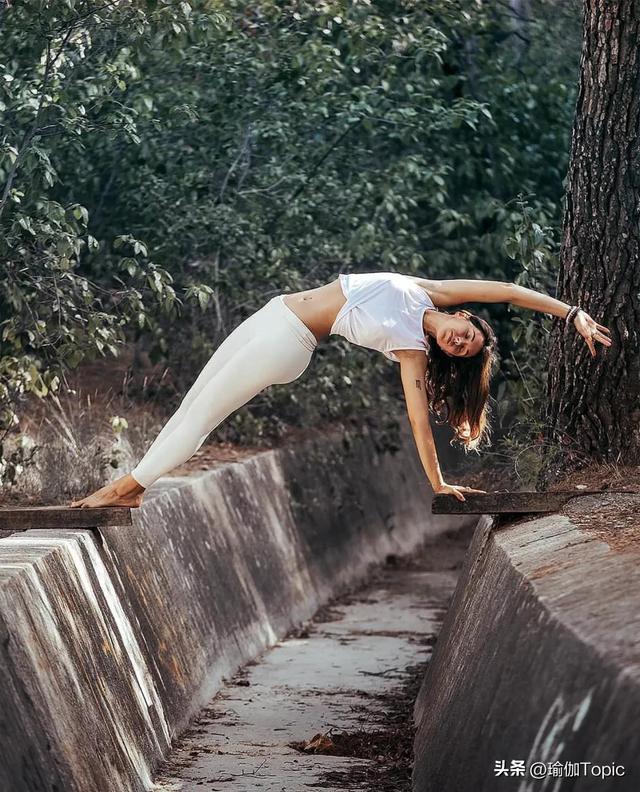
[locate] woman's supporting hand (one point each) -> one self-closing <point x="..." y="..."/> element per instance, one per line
<point x="454" y="489"/>
<point x="591" y="331"/>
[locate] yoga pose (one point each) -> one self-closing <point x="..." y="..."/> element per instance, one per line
<point x="445" y="362"/>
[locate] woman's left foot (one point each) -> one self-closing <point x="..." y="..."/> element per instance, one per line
<point x="123" y="492"/>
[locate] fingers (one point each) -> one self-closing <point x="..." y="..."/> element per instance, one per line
<point x="458" y="489"/>
<point x="449" y="489"/>
<point x="601" y="339"/>
<point x="589" y="342"/>
<point x="601" y="334"/>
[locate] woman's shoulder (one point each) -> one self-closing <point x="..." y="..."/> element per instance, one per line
<point x="432" y="288"/>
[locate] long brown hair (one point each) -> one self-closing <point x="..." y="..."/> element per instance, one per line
<point x="459" y="387"/>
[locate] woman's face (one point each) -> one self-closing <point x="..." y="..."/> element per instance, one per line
<point x="458" y="337"/>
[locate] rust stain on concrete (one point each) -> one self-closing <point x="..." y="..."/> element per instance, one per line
<point x="547" y="569"/>
<point x="176" y="671"/>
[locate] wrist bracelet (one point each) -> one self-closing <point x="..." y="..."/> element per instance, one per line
<point x="571" y="315"/>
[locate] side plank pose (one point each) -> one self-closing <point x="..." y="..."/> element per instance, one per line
<point x="445" y="362"/>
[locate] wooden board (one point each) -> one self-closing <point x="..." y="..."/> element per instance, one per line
<point x="513" y="502"/>
<point x="22" y="518"/>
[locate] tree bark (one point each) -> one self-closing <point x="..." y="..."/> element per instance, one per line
<point x="594" y="403"/>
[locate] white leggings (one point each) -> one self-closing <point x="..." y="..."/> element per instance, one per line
<point x="272" y="346"/>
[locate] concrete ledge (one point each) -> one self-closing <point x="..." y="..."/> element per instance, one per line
<point x="538" y="660"/>
<point x="517" y="502"/>
<point x="108" y="651"/>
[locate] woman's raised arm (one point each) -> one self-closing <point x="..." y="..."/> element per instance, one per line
<point x="445" y="293"/>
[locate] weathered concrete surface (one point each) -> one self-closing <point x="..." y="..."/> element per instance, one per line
<point x="513" y="503"/>
<point x="329" y="678"/>
<point x="108" y="651"/>
<point x="538" y="660"/>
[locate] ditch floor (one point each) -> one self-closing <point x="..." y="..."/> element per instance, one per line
<point x="330" y="706"/>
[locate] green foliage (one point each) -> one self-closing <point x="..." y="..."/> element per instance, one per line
<point x="521" y="395"/>
<point x="166" y="168"/>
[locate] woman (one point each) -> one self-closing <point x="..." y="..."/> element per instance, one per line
<point x="398" y="315"/>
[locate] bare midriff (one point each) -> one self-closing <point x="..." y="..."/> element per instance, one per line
<point x="317" y="308"/>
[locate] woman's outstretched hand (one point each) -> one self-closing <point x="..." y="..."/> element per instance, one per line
<point x="591" y="331"/>
<point x="454" y="489"/>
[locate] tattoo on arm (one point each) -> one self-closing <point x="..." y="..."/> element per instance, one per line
<point x="418" y="385"/>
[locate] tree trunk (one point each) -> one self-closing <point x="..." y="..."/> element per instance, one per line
<point x="594" y="403"/>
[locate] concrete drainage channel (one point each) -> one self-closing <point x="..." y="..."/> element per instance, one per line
<point x="331" y="705"/>
<point x="108" y="650"/>
<point x="172" y="634"/>
<point x="536" y="669"/>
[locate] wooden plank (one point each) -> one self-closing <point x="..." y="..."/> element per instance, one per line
<point x="513" y="502"/>
<point x="23" y="518"/>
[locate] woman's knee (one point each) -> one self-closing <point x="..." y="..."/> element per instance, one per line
<point x="294" y="371"/>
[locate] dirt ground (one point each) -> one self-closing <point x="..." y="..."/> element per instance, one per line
<point x="611" y="515"/>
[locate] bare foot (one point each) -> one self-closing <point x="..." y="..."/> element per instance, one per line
<point x="125" y="491"/>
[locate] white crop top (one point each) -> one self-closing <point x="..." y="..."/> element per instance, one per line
<point x="383" y="311"/>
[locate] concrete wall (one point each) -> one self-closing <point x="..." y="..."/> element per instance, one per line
<point x="538" y="660"/>
<point x="106" y="652"/>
